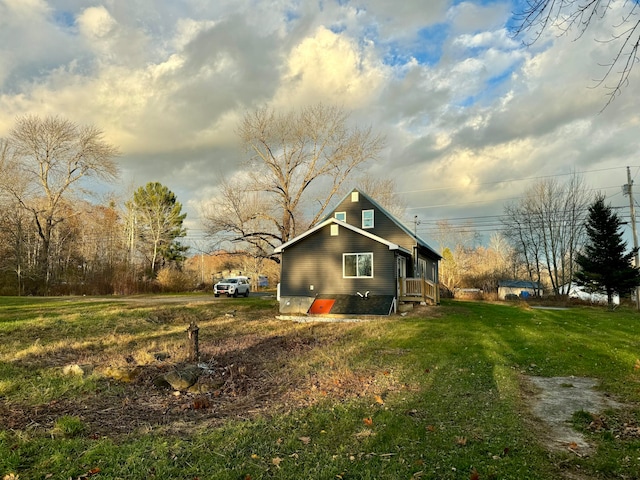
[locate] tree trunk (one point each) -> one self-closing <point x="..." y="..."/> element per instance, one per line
<point x="193" y="350"/>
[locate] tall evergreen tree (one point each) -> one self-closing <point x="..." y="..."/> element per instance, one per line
<point x="604" y="267"/>
<point x="158" y="224"/>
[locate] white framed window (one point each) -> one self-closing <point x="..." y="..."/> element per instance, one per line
<point x="357" y="265"/>
<point x="367" y="218"/>
<point x="342" y="216"/>
<point x="355" y="197"/>
<point x="334" y="230"/>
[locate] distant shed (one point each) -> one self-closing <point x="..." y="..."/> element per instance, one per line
<point x="520" y="288"/>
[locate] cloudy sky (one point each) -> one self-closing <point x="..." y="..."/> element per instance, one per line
<point x="471" y="116"/>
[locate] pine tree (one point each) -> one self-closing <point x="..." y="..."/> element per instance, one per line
<point x="604" y="267"/>
<point x="158" y="224"/>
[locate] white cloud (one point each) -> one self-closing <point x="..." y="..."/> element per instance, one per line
<point x="474" y="18"/>
<point x="28" y="42"/>
<point x="24" y="9"/>
<point x="187" y="29"/>
<point x="96" y="23"/>
<point x="487" y="39"/>
<point x="332" y="67"/>
<point x="169" y="81"/>
<point x="399" y="19"/>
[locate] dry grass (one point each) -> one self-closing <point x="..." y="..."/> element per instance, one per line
<point x="255" y="365"/>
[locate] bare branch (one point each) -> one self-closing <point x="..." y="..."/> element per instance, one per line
<point x="48" y="158"/>
<point x="539" y="16"/>
<point x="296" y="156"/>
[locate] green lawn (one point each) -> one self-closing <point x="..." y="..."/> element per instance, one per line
<point x="436" y="395"/>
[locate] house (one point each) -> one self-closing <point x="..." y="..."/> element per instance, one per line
<point x="519" y="288"/>
<point x="359" y="259"/>
<point x="576" y="291"/>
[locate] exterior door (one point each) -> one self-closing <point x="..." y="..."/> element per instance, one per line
<point x="401" y="272"/>
<point x="402" y="266"/>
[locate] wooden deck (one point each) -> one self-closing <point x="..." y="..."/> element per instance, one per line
<point x="418" y="290"/>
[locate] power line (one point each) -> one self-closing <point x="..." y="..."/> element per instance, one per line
<point x="494" y="200"/>
<point x="511" y="180"/>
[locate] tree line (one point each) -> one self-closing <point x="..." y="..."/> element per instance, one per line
<point x="557" y="235"/>
<point x="54" y="239"/>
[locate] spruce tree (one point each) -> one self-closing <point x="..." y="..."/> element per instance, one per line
<point x="604" y="264"/>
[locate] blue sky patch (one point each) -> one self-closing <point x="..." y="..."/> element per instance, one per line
<point x="64" y="19"/>
<point x="337" y="28"/>
<point x="426" y="48"/>
<point x="291" y="15"/>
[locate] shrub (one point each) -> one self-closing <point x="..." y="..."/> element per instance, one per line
<point x="173" y="280"/>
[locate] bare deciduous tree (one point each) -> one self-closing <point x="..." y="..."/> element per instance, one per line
<point x="449" y="272"/>
<point x="456" y="247"/>
<point x="488" y="265"/>
<point x="502" y="253"/>
<point x="384" y="191"/>
<point x="547" y="228"/>
<point x="538" y="16"/>
<point x="524" y="237"/>
<point x="299" y="162"/>
<point x="47" y="160"/>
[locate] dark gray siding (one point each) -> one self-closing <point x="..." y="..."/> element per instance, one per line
<point x="317" y="261"/>
<point x="383" y="226"/>
<point x="386" y="228"/>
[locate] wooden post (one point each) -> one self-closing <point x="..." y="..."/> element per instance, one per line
<point x="192" y="347"/>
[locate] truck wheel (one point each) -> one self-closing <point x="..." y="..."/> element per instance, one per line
<point x="246" y="294"/>
<point x="217" y="294"/>
<point x="235" y="294"/>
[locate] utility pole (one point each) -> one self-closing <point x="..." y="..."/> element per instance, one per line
<point x="628" y="190"/>
<point x="416" y="222"/>
<point x="202" y="267"/>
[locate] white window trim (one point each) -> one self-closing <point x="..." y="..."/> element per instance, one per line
<point x="373" y="221"/>
<point x="338" y="213"/>
<point x="357" y="253"/>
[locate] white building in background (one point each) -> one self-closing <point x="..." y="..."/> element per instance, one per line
<point x="576" y="291"/>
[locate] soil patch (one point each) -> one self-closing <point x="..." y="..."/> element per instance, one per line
<point x="236" y="378"/>
<point x="553" y="401"/>
<point x="241" y="378"/>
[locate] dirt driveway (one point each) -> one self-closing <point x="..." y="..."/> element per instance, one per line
<point x="156" y="299"/>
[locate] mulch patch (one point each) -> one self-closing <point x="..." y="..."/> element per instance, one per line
<point x="141" y="405"/>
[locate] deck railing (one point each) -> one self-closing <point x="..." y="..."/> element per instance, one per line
<point x="419" y="289"/>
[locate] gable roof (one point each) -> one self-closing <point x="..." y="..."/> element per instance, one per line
<point x="400" y="225"/>
<point x="392" y="246"/>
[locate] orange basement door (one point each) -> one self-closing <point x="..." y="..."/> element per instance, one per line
<point x="320" y="306"/>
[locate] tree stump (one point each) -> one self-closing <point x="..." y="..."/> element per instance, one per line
<point x="193" y="350"/>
